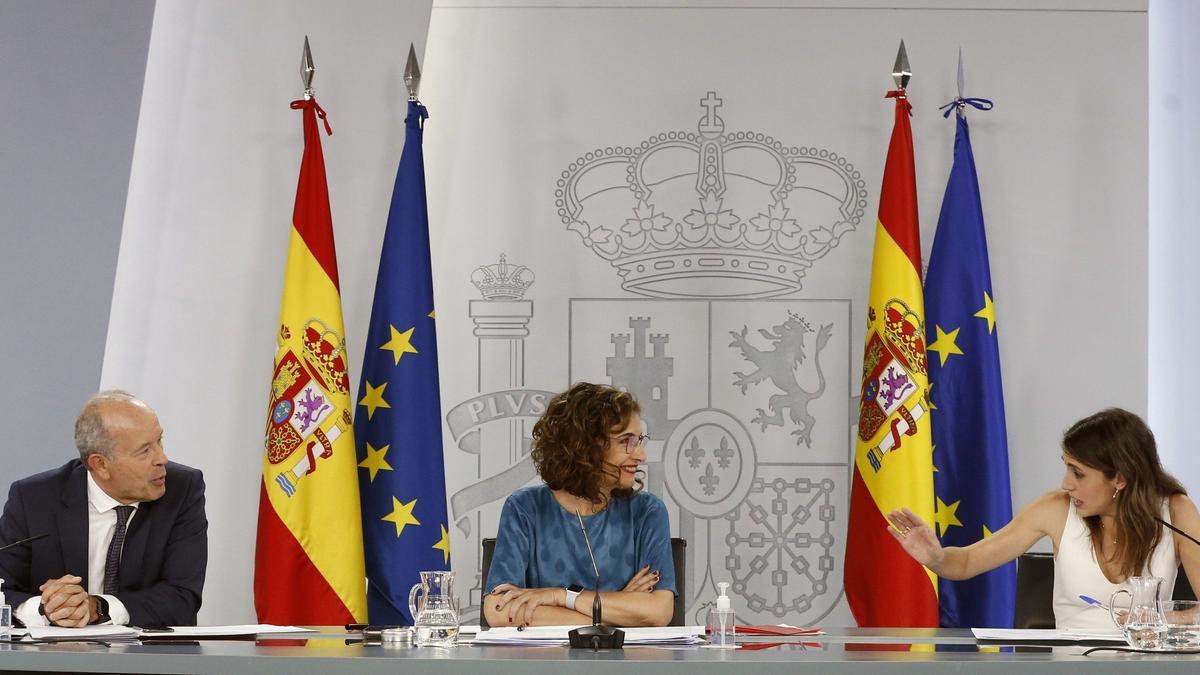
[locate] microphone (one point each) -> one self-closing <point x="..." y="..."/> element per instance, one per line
<point x="1185" y="534"/>
<point x="24" y="541"/>
<point x="596" y="636"/>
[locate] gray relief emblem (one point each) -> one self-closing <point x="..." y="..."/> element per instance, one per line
<point x="779" y="364"/>
<point x="708" y="214"/>
<point x="711" y="235"/>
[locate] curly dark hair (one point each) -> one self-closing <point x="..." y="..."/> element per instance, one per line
<point x="1118" y="441"/>
<point x="570" y="440"/>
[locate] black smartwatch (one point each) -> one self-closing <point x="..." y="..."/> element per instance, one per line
<point x="573" y="592"/>
<point x="101" y="610"/>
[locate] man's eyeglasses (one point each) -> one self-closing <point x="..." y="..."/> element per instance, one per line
<point x="632" y="442"/>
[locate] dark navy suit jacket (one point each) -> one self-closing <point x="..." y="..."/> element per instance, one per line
<point x="162" y="563"/>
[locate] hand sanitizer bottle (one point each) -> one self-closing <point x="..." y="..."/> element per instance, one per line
<point x="5" y="615"/>
<point x="721" y="629"/>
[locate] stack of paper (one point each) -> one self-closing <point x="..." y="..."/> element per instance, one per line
<point x="557" y="635"/>
<point x="106" y="633"/>
<point x="131" y="633"/>
<point x="201" y="632"/>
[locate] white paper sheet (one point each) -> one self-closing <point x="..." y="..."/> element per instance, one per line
<point x="554" y="635"/>
<point x="85" y="633"/>
<point x="224" y="631"/>
<point x="1047" y="635"/>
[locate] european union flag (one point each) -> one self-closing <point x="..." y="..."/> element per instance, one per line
<point x="970" y="445"/>
<point x="398" y="422"/>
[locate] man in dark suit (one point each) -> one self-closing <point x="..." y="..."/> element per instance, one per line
<point x="127" y="536"/>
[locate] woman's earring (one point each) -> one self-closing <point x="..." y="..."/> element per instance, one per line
<point x="1115" y="492"/>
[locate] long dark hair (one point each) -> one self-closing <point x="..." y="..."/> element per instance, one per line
<point x="570" y="440"/>
<point x="1116" y="441"/>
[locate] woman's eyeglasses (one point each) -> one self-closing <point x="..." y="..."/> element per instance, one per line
<point x="632" y="442"/>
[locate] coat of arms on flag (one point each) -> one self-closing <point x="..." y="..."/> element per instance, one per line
<point x="307" y="374"/>
<point x="889" y="363"/>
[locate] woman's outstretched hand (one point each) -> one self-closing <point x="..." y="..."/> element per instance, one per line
<point x="917" y="538"/>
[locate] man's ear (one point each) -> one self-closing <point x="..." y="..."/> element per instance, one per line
<point x="99" y="466"/>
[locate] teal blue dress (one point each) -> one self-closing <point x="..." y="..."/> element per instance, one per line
<point x="539" y="543"/>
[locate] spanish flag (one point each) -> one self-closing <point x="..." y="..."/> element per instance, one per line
<point x="893" y="466"/>
<point x="308" y="567"/>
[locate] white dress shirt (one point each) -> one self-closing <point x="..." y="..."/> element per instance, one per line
<point x="102" y="525"/>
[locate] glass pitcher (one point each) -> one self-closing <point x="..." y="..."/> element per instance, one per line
<point x="1143" y="624"/>
<point x="436" y="618"/>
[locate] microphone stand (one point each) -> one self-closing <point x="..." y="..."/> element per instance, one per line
<point x="596" y="636"/>
<point x="24" y="541"/>
<point x="1176" y="529"/>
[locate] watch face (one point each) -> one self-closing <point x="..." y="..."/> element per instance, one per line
<point x="575" y="588"/>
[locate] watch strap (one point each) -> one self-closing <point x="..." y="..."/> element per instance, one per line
<point x="573" y="592"/>
<point x="101" y="610"/>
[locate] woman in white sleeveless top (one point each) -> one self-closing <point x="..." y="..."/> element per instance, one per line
<point x="1102" y="523"/>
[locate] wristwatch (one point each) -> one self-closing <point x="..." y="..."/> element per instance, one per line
<point x="101" y="610"/>
<point x="573" y="592"/>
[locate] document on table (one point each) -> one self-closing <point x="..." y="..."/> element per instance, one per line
<point x="557" y="635"/>
<point x="134" y="633"/>
<point x="229" y="631"/>
<point x="1047" y="635"/>
<point x="84" y="633"/>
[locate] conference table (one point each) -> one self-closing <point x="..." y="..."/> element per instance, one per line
<point x="841" y="650"/>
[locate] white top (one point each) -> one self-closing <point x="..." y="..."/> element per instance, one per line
<point x="102" y="525"/>
<point x="1077" y="573"/>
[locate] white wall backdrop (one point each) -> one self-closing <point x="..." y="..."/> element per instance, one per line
<point x="1174" y="327"/>
<point x="519" y="96"/>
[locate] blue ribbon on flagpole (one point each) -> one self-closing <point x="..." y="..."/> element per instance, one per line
<point x="960" y="103"/>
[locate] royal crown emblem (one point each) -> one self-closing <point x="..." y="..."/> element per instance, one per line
<point x="502" y="281"/>
<point x="711" y="214"/>
<point x="324" y="351"/>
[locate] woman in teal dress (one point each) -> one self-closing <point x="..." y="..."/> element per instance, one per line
<point x="588" y="448"/>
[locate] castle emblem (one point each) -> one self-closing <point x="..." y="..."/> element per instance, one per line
<point x="708" y="214"/>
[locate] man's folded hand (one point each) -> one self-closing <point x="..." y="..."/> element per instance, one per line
<point x="65" y="602"/>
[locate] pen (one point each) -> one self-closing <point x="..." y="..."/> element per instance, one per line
<point x="1093" y="601"/>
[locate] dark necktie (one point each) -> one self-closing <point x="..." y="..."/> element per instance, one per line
<point x="112" y="562"/>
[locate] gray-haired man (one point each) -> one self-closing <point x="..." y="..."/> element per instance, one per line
<point x="127" y="538"/>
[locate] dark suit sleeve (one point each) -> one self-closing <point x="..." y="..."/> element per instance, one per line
<point x="175" y="599"/>
<point x="16" y="562"/>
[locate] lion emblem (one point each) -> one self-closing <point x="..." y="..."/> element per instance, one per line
<point x="780" y="364"/>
